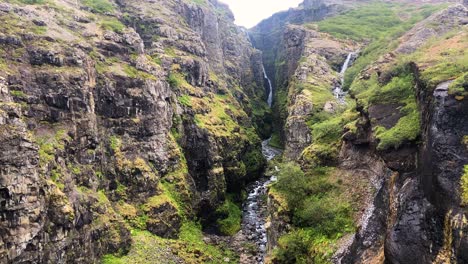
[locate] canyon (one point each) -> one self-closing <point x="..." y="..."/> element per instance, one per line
<point x="161" y="132"/>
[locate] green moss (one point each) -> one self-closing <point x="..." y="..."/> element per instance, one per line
<point x="39" y="30"/>
<point x="99" y="6"/>
<point x="115" y="143"/>
<point x="111" y="259"/>
<point x="48" y="145"/>
<point x="407" y="129"/>
<point x="464" y="186"/>
<point x="276" y="141"/>
<point x="112" y="24"/>
<point x="230" y="217"/>
<point x="157" y="201"/>
<point x="133" y="72"/>
<point x="19" y="94"/>
<point x="175" y="79"/>
<point x="170" y="51"/>
<point x="185" y="100"/>
<point x="31" y="2"/>
<point x="460" y="86"/>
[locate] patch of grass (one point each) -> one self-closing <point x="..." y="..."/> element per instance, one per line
<point x="320" y="214"/>
<point x="327" y="130"/>
<point x="460" y="86"/>
<point x="230" y="216"/>
<point x="112" y="24"/>
<point x="18" y="94"/>
<point x="48" y="145"/>
<point x="115" y="143"/>
<point x="200" y="2"/>
<point x="99" y="6"/>
<point x="464" y="186"/>
<point x="31" y="2"/>
<point x="407" y="129"/>
<point x="176" y="80"/>
<point x="185" y="100"/>
<point x="378" y="23"/>
<point x="276" y="141"/>
<point x="133" y="72"/>
<point x="191" y="239"/>
<point x="39" y="30"/>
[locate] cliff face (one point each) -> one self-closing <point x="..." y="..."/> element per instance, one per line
<point x="116" y="115"/>
<point x="398" y="141"/>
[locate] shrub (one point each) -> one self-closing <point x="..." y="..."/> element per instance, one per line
<point x="328" y="216"/>
<point x="99" y="6"/>
<point x="112" y="24"/>
<point x="294" y="248"/>
<point x="230" y="216"/>
<point x="292" y="184"/>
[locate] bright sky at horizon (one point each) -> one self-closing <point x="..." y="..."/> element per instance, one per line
<point x="249" y="13"/>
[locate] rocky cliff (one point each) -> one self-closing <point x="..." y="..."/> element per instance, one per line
<point x="395" y="145"/>
<point x="117" y="116"/>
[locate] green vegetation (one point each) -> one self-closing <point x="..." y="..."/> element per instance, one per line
<point x="407" y="129"/>
<point x="276" y="141"/>
<point x="99" y="6"/>
<point x="399" y="91"/>
<point x="190" y="248"/>
<point x="18" y="94"/>
<point x="133" y="72"/>
<point x="320" y="215"/>
<point x="464" y="186"/>
<point x="185" y="100"/>
<point x="48" y="145"/>
<point x="379" y="23"/>
<point x="199" y="2"/>
<point x="230" y="216"/>
<point x="112" y="24"/>
<point x="445" y="58"/>
<point x="31" y="2"/>
<point x="460" y="86"/>
<point x="327" y="130"/>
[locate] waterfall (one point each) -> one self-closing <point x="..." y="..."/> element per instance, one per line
<point x="338" y="91"/>
<point x="270" y="87"/>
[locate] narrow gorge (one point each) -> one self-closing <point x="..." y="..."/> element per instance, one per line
<point x="159" y="131"/>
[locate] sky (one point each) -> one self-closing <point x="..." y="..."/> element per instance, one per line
<point x="249" y="12"/>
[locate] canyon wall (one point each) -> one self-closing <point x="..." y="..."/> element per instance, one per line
<point x="120" y="115"/>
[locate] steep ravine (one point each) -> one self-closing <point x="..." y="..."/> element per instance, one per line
<point x="390" y="144"/>
<point x="140" y="131"/>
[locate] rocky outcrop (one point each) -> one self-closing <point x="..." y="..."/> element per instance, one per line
<point x="420" y="201"/>
<point x="412" y="210"/>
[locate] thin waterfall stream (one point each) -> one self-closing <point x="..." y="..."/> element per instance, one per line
<point x="338" y="91"/>
<point x="255" y="208"/>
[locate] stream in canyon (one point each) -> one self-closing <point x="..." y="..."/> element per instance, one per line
<point x="255" y="207"/>
<point x="255" y="211"/>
